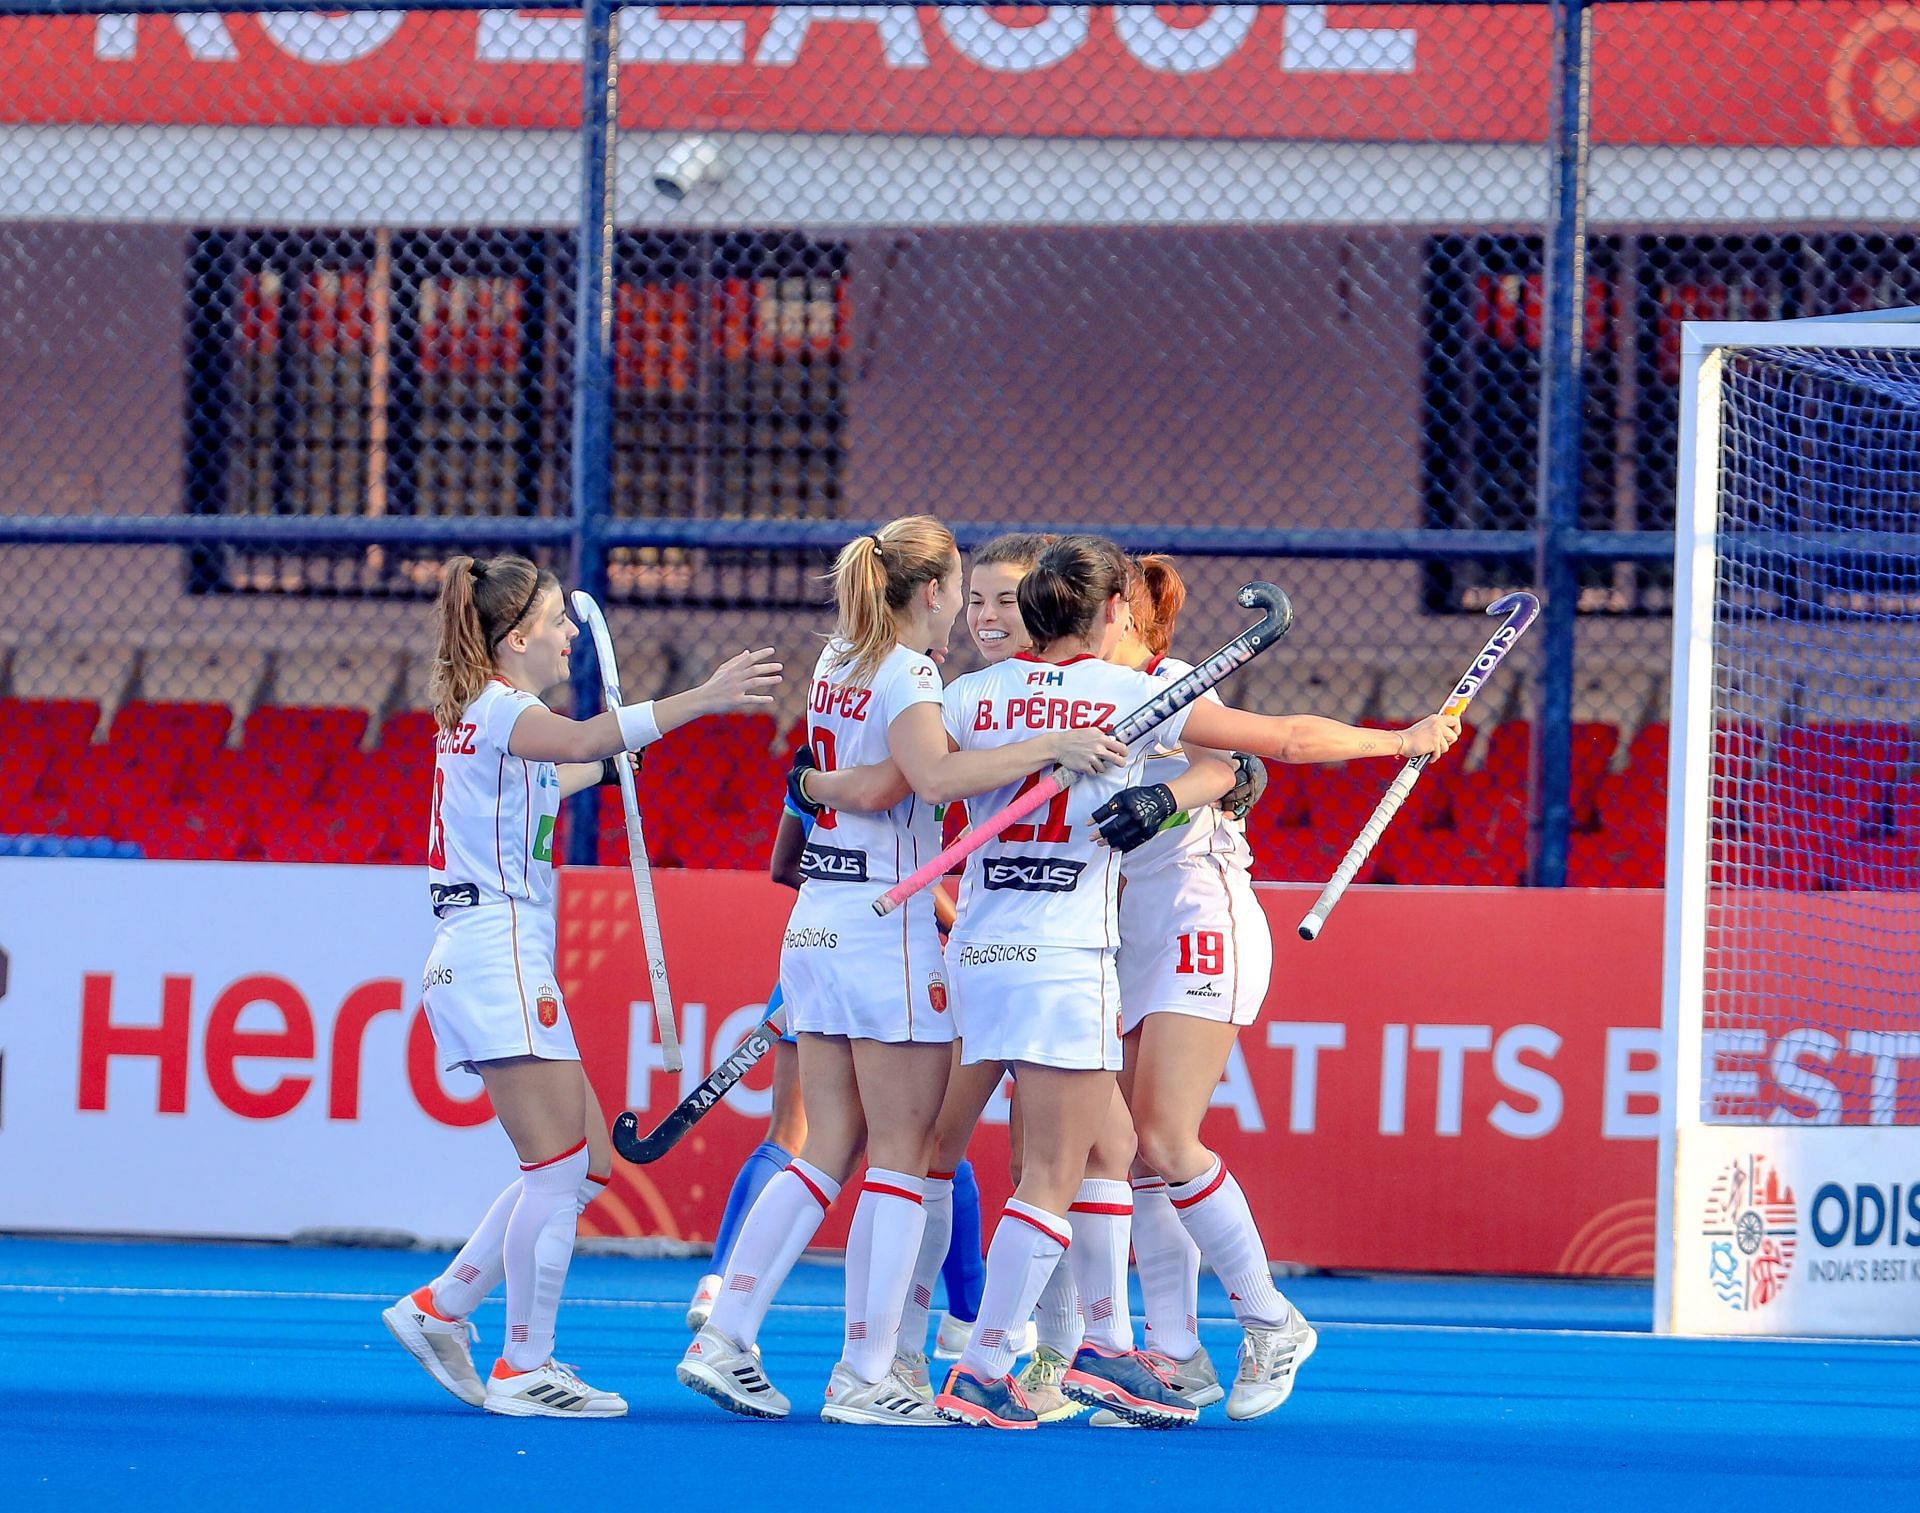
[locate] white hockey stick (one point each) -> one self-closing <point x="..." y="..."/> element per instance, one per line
<point x="1520" y="609"/>
<point x="596" y="624"/>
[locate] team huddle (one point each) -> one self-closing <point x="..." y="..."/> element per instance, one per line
<point x="1104" y="952"/>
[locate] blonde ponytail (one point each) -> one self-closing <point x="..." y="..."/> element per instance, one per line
<point x="480" y="601"/>
<point x="875" y="576"/>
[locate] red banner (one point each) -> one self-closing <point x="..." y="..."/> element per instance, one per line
<point x="1454" y="1080"/>
<point x="1844" y="73"/>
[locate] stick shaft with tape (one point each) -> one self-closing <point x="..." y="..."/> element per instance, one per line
<point x="1520" y="609"/>
<point x="663" y="1012"/>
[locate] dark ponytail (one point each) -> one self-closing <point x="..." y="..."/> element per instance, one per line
<point x="1061" y="595"/>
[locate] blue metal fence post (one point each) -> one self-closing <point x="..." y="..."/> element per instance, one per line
<point x="1561" y="406"/>
<point x="592" y="380"/>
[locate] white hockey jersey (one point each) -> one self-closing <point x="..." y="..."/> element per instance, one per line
<point x="490" y="835"/>
<point x="1044" y="880"/>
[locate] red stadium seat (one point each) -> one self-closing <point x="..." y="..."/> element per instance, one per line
<point x="1849" y="768"/>
<point x="410" y="733"/>
<point x="319" y="832"/>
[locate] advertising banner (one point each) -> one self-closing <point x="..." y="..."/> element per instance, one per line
<point x="1678" y="74"/>
<point x="1784" y="1230"/>
<point x="1448" y="1080"/>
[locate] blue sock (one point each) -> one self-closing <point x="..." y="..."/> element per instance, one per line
<point x="760" y="1168"/>
<point x="964" y="1273"/>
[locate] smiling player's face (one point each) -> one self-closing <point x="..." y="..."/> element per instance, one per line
<point x="547" y="635"/>
<point x="993" y="610"/>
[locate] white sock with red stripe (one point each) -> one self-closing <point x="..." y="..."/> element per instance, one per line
<point x="1056" y="1317"/>
<point x="1102" y="1219"/>
<point x="1169" y="1265"/>
<point x="590" y="1188"/>
<point x="537" y="1252"/>
<point x="1215" y="1213"/>
<point x="882" y="1245"/>
<point x="1026" y="1248"/>
<point x="934" y="1240"/>
<point x="477" y="1270"/>
<point x="783" y="1219"/>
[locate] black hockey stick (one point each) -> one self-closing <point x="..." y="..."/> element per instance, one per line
<point x="641" y="1149"/>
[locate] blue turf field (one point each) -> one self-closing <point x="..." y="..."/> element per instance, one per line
<point x="150" y="1376"/>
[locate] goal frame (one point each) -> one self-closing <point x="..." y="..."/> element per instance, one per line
<point x="1689" y="785"/>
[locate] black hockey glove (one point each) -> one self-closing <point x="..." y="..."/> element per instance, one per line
<point x="1251" y="783"/>
<point x="1133" y="816"/>
<point x="610" y="769"/>
<point x="803" y="763"/>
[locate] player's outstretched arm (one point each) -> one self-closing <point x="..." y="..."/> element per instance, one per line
<point x="742" y="684"/>
<point x="858" y="790"/>
<point x="1306" y="738"/>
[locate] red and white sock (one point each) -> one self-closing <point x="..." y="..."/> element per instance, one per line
<point x="590" y="1188"/>
<point x="1056" y="1317"/>
<point x="882" y="1245"/>
<point x="1026" y="1247"/>
<point x="934" y="1240"/>
<point x="477" y="1270"/>
<point x="1102" y="1219"/>
<point x="537" y="1252"/>
<point x="783" y="1219"/>
<point x="1215" y="1213"/>
<point x="1169" y="1266"/>
<point x="473" y="1274"/>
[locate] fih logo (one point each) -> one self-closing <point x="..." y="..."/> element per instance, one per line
<point x="1752" y="1230"/>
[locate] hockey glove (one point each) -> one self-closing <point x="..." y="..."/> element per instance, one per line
<point x="1133" y="816"/>
<point x="803" y="763"/>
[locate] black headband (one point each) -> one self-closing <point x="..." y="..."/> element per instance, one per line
<point x="520" y="614"/>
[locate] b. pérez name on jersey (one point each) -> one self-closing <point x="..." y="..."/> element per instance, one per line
<point x="1031" y="874"/>
<point x="1042" y="713"/>
<point x="833" y="864"/>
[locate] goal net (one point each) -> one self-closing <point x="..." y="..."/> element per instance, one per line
<point x="1790" y="1159"/>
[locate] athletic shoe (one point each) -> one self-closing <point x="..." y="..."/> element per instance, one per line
<point x="954" y="1333"/>
<point x="549" y="1391"/>
<point x="911" y="1367"/>
<point x="715" y="1367"/>
<point x="442" y="1346"/>
<point x="890" y="1401"/>
<point x="1040" y="1385"/>
<point x="986" y="1405"/>
<point x="1133" y="1385"/>
<point x="701" y="1308"/>
<point x="1194" y="1379"/>
<point x="1269" y="1360"/>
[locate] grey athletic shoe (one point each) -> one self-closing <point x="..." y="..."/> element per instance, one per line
<point x="714" y="1366"/>
<point x="1194" y="1379"/>
<point x="890" y="1402"/>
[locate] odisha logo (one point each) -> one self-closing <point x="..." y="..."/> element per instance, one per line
<point x="1751" y="1231"/>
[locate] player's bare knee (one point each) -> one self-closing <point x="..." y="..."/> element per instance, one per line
<point x="1169" y="1151"/>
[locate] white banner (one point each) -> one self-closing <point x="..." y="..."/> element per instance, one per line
<point x="1786" y="1231"/>
<point x="213" y="1048"/>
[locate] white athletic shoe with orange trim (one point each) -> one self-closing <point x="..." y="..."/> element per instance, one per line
<point x="443" y="1347"/>
<point x="548" y="1391"/>
<point x="716" y="1367"/>
<point x="704" y="1297"/>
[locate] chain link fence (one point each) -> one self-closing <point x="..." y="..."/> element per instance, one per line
<point x="289" y="312"/>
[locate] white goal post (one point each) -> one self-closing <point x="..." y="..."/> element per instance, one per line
<point x="1789" y="1182"/>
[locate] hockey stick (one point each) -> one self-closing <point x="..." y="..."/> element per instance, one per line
<point x="596" y="624"/>
<point x="1243" y="648"/>
<point x="1520" y="609"/>
<point x="641" y="1149"/>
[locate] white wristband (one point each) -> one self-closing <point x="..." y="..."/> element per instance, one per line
<point x="638" y="727"/>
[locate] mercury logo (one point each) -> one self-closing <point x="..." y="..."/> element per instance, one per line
<point x="1751" y="1227"/>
